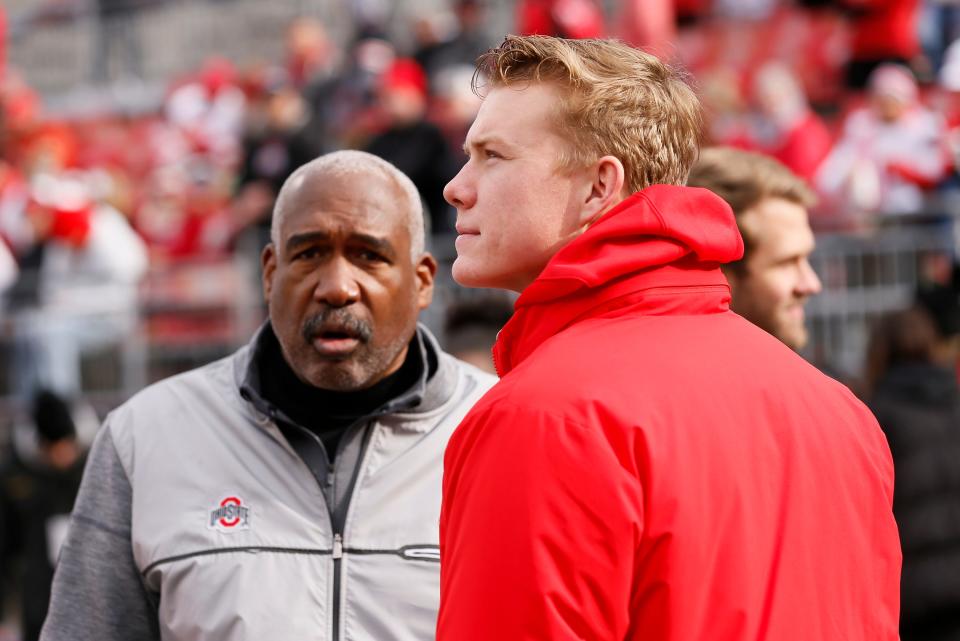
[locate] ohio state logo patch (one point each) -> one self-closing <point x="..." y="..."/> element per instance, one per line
<point x="231" y="515"/>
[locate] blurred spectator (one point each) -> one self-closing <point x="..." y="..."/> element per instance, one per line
<point x="470" y="329"/>
<point x="883" y="31"/>
<point x="310" y="53"/>
<point x="8" y="271"/>
<point x="209" y="111"/>
<point x="726" y="109"/>
<point x="939" y="294"/>
<point x="916" y="400"/>
<point x="445" y="40"/>
<point x="343" y="108"/>
<point x="37" y="488"/>
<point x="890" y="153"/>
<point x="417" y="147"/>
<point x="771" y="283"/>
<point x="564" y="18"/>
<point x="275" y="143"/>
<point x="789" y="130"/>
<point x="185" y="212"/>
<point x="455" y="105"/>
<point x="85" y="294"/>
<point x="649" y="25"/>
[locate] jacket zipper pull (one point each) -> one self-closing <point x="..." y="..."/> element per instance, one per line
<point x="337" y="546"/>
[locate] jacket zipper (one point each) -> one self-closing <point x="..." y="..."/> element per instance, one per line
<point x="337" y="560"/>
<point x="338" y="523"/>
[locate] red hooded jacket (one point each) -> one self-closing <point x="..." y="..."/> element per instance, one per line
<point x="653" y="466"/>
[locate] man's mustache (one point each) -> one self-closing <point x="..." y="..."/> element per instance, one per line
<point x="336" y="321"/>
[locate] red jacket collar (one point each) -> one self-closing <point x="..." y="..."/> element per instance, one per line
<point x="661" y="237"/>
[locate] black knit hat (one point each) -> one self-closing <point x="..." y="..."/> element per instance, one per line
<point x="52" y="418"/>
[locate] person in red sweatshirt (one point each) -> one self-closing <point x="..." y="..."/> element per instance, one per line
<point x="650" y="465"/>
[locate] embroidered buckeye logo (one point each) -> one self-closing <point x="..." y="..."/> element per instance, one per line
<point x="230" y="516"/>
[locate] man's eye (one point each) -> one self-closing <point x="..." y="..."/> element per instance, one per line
<point x="489" y="153"/>
<point x="369" y="256"/>
<point x="306" y="254"/>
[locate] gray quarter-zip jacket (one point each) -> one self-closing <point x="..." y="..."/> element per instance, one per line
<point x="198" y="519"/>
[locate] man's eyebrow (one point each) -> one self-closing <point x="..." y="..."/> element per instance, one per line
<point x="296" y="240"/>
<point x="377" y="243"/>
<point x="480" y="143"/>
<point x="381" y="245"/>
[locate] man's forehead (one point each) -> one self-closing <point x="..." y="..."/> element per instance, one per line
<point x="777" y="225"/>
<point x="368" y="202"/>
<point x="514" y="112"/>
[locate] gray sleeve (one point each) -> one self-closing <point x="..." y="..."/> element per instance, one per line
<point x="98" y="593"/>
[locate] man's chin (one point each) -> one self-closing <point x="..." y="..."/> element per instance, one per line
<point x="793" y="337"/>
<point x="337" y="376"/>
<point x="464" y="274"/>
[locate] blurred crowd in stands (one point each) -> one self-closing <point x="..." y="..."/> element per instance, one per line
<point x="859" y="97"/>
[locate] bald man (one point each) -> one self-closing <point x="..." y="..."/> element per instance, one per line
<point x="291" y="490"/>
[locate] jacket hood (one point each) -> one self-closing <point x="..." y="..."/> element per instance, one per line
<point x="662" y="236"/>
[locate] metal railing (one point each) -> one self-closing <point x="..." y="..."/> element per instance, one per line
<point x="864" y="276"/>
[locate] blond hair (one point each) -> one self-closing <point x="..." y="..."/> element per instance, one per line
<point x="619" y="101"/>
<point x="745" y="179"/>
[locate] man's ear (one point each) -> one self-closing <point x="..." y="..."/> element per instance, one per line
<point x="607" y="178"/>
<point x="268" y="265"/>
<point x="426" y="271"/>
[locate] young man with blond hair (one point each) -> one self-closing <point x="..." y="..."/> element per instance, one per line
<point x="773" y="281"/>
<point x="651" y="465"/>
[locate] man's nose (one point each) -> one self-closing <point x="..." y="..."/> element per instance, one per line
<point x="459" y="192"/>
<point x="809" y="283"/>
<point x="336" y="284"/>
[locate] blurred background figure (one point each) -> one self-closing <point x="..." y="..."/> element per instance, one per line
<point x="770" y="285"/>
<point x="413" y="144"/>
<point x="207" y="111"/>
<point x="38" y="484"/>
<point x="311" y="55"/>
<point x="8" y="271"/>
<point x="449" y="39"/>
<point x="82" y="293"/>
<point x="891" y="152"/>
<point x="787" y="128"/>
<point x="471" y="326"/>
<point x="882" y="32"/>
<point x="912" y="383"/>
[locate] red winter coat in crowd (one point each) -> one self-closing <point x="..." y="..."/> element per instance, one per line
<point x="652" y="466"/>
<point x="884" y="29"/>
